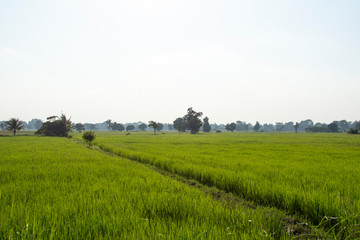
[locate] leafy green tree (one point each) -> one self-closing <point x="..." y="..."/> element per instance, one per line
<point x="333" y="127"/>
<point x="296" y="126"/>
<point x="88" y="137"/>
<point x="230" y="127"/>
<point x="14" y="124"/>
<point x="108" y="122"/>
<point x="206" y="127"/>
<point x="79" y="127"/>
<point x="130" y="127"/>
<point x="193" y="121"/>
<point x="56" y="126"/>
<point x="142" y="126"/>
<point x="117" y="127"/>
<point x="257" y="126"/>
<point x="154" y="125"/>
<point x="180" y="125"/>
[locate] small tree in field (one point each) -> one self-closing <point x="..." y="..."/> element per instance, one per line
<point x="154" y="125"/>
<point x="88" y="137"/>
<point x="14" y="124"/>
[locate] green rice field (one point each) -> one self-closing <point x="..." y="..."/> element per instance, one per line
<point x="180" y="186"/>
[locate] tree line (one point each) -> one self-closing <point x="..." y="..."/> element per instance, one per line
<point x="191" y="122"/>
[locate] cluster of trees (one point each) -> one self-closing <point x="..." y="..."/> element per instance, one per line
<point x="303" y="126"/>
<point x="190" y="122"/>
<point x="55" y="126"/>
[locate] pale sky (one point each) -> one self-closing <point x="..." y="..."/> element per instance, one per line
<point x="267" y="61"/>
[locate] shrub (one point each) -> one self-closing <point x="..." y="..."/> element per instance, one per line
<point x="353" y="131"/>
<point x="88" y="136"/>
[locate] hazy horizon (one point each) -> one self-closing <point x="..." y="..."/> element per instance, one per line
<point x="266" y="61"/>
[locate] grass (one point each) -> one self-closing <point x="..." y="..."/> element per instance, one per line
<point x="310" y="175"/>
<point x="54" y="188"/>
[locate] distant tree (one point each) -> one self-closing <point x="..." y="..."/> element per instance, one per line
<point x="180" y="125"/>
<point x="130" y="127"/>
<point x="193" y="121"/>
<point x="79" y="127"/>
<point x="56" y="126"/>
<point x="117" y="127"/>
<point x="279" y="126"/>
<point x="34" y="124"/>
<point x="230" y="127"/>
<point x="108" y="122"/>
<point x="142" y="126"/>
<point x="88" y="136"/>
<point x="332" y="127"/>
<point x="343" y="125"/>
<point x="2" y="126"/>
<point x="257" y="126"/>
<point x="154" y="125"/>
<point x="170" y="127"/>
<point x="206" y="127"/>
<point x="296" y="126"/>
<point x="160" y="126"/>
<point x="14" y="124"/>
<point x="357" y="126"/>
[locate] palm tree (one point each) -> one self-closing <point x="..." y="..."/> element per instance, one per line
<point x="14" y="124"/>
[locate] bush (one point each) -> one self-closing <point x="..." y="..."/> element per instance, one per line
<point x="88" y="136"/>
<point x="218" y="131"/>
<point x="353" y="131"/>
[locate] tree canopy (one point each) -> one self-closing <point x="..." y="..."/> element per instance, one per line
<point x="154" y="125"/>
<point x="193" y="121"/>
<point x="231" y="127"/>
<point x="179" y="124"/>
<point x="130" y="127"/>
<point x="206" y="127"/>
<point x="56" y="126"/>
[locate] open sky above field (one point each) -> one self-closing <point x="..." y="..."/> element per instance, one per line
<point x="142" y="60"/>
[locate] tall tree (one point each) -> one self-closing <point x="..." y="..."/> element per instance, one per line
<point x="193" y="121"/>
<point x="179" y="124"/>
<point x="230" y="127"/>
<point x="108" y="122"/>
<point x="206" y="127"/>
<point x="154" y="125"/>
<point x="296" y="126"/>
<point x="257" y="126"/>
<point x="14" y="124"/>
<point x="333" y="127"/>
